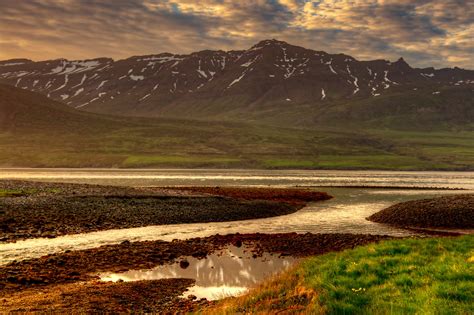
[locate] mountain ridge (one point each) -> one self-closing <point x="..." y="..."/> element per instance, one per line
<point x="271" y="76"/>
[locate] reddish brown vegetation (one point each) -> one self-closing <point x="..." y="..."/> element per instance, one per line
<point x="293" y="196"/>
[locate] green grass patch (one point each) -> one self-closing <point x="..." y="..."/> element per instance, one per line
<point x="11" y="193"/>
<point x="410" y="276"/>
<point x="379" y="161"/>
<point x="431" y="276"/>
<point x="156" y="160"/>
<point x="289" y="164"/>
<point x="192" y="144"/>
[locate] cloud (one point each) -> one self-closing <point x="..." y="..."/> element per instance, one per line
<point x="425" y="32"/>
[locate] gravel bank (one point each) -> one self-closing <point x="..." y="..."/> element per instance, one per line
<point x="30" y="210"/>
<point x="150" y="297"/>
<point x="443" y="212"/>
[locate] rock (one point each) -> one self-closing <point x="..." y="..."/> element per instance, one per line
<point x="443" y="212"/>
<point x="12" y="279"/>
<point x="184" y="264"/>
<point x="199" y="254"/>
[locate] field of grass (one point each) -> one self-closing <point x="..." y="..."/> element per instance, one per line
<point x="43" y="133"/>
<point x="191" y="144"/>
<point x="412" y="276"/>
<point x="38" y="132"/>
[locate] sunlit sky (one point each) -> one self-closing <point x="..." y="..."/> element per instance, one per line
<point x="426" y="33"/>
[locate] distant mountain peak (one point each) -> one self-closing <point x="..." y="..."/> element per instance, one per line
<point x="402" y="64"/>
<point x="270" y="42"/>
<point x="272" y="72"/>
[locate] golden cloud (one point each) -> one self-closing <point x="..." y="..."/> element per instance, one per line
<point x="367" y="29"/>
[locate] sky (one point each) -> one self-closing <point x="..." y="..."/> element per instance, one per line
<point x="425" y="33"/>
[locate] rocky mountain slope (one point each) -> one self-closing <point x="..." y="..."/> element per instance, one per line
<point x="270" y="75"/>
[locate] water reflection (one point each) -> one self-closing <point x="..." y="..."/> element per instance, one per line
<point x="229" y="272"/>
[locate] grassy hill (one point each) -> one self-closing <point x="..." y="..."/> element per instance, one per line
<point x="38" y="132"/>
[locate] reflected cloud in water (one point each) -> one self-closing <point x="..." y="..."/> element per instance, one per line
<point x="229" y="272"/>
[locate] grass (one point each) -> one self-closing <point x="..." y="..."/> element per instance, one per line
<point x="11" y="193"/>
<point x="163" y="143"/>
<point x="48" y="134"/>
<point x="157" y="160"/>
<point x="411" y="276"/>
<point x="368" y="135"/>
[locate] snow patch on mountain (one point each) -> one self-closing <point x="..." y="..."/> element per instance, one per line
<point x="12" y="64"/>
<point x="238" y="79"/>
<point x="66" y="79"/>
<point x="250" y="62"/>
<point x="144" y="97"/>
<point x="79" y="91"/>
<point x="427" y="75"/>
<point x="387" y="79"/>
<point x="102" y="84"/>
<point x="136" y="77"/>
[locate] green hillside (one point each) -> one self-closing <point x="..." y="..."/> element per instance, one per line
<point x="37" y="132"/>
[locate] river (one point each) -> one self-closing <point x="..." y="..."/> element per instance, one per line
<point x="345" y="213"/>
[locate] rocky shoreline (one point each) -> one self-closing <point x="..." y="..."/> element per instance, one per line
<point x="452" y="212"/>
<point x="69" y="281"/>
<point x="33" y="209"/>
<point x="77" y="270"/>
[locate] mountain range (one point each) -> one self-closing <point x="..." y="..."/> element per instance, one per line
<point x="272" y="106"/>
<point x="272" y="81"/>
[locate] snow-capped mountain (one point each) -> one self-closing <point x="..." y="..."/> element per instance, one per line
<point x="271" y="72"/>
